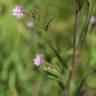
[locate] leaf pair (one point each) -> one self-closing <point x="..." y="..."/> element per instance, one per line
<point x="79" y="4"/>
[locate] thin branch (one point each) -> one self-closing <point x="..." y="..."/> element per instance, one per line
<point x="85" y="29"/>
<point x="74" y="39"/>
<point x="72" y="69"/>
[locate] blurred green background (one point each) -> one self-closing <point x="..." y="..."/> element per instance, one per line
<point x="19" y="45"/>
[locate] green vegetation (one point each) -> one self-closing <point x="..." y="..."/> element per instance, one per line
<point x="20" y="44"/>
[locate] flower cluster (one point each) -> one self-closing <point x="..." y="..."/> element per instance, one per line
<point x="38" y="59"/>
<point x="18" y="11"/>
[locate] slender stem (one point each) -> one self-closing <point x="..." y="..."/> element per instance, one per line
<point x="74" y="42"/>
<point x="72" y="69"/>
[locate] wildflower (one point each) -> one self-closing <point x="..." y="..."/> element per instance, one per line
<point x="29" y="24"/>
<point x="18" y="11"/>
<point x="93" y="20"/>
<point x="38" y="59"/>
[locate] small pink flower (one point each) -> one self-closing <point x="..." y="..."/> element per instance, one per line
<point x="18" y="11"/>
<point x="29" y="24"/>
<point x="38" y="59"/>
<point x="93" y="20"/>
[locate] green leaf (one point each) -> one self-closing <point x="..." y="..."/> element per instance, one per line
<point x="80" y="4"/>
<point x="47" y="26"/>
<point x="73" y="88"/>
<point x="53" y="78"/>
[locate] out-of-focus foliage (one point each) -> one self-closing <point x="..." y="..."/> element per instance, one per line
<point x="19" y="45"/>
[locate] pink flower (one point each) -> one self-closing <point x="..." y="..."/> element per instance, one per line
<point x="93" y="20"/>
<point x="29" y="24"/>
<point x="18" y="11"/>
<point x="38" y="59"/>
